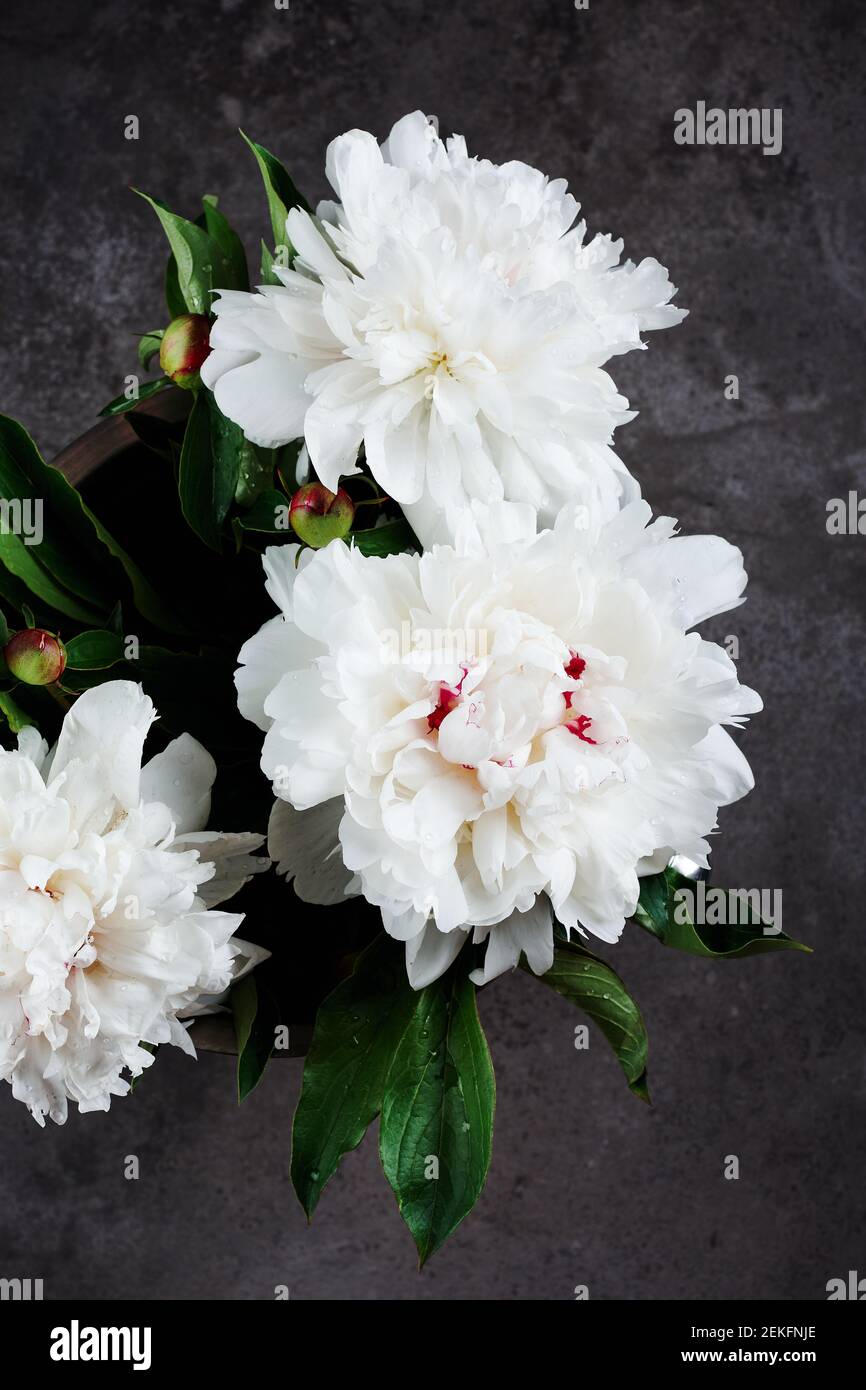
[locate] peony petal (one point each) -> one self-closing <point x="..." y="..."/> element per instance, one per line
<point x="233" y="858"/>
<point x="108" y="725"/>
<point x="312" y="247"/>
<point x="266" y="397"/>
<point x="181" y="777"/>
<point x="431" y="953"/>
<point x="530" y="932"/>
<point x="305" y="847"/>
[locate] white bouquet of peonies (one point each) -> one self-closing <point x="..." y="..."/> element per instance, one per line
<point x="469" y="706"/>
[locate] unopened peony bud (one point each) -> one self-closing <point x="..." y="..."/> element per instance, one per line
<point x="185" y="345"/>
<point x="35" y="657"/>
<point x="319" y="516"/>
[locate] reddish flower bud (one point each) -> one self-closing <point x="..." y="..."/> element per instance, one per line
<point x="35" y="657"/>
<point x="319" y="516"/>
<point x="185" y="345"/>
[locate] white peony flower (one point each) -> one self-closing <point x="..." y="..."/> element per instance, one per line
<point x="446" y="314"/>
<point x="483" y="728"/>
<point x="106" y="881"/>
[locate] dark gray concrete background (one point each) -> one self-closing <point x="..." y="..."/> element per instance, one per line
<point x="764" y="1058"/>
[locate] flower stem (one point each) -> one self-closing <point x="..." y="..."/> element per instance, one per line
<point x="56" y="693"/>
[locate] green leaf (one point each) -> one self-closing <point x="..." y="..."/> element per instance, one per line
<point x="269" y="513"/>
<point x="253" y="472"/>
<point x="281" y="191"/>
<point x="78" y="569"/>
<point x="391" y="539"/>
<point x="256" y="473"/>
<point x="589" y="982"/>
<point x="40" y="493"/>
<point x="67" y="569"/>
<point x="93" y="650"/>
<point x="115" y="619"/>
<point x="4" y="629"/>
<point x="201" y="265"/>
<point x="195" y="478"/>
<point x="255" y="1018"/>
<point x="12" y="590"/>
<point x="438" y="1105"/>
<point x="267" y="267"/>
<point x="231" y="454"/>
<point x="15" y="716"/>
<point x="209" y="467"/>
<point x="160" y="436"/>
<point x="229" y="243"/>
<point x="41" y="584"/>
<point x="669" y="919"/>
<point x="121" y="404"/>
<point x="357" y="1031"/>
<point x="148" y="346"/>
<point x="175" y="302"/>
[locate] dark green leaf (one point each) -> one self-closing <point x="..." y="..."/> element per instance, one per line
<point x="255" y="1016"/>
<point x="160" y="436"/>
<point x="121" y="404"/>
<point x="209" y="467"/>
<point x="668" y="917"/>
<point x="115" y="619"/>
<point x="175" y="302"/>
<point x="15" y="716"/>
<point x="588" y="982"/>
<point x="12" y="590"/>
<point x="4" y="629"/>
<point x="227" y="239"/>
<point x="170" y="673"/>
<point x="436" y="1131"/>
<point x="195" y="478"/>
<point x="391" y="539"/>
<point x="233" y="457"/>
<point x="357" y="1031"/>
<point x="269" y="513"/>
<point x="267" y="267"/>
<point x="256" y="473"/>
<point x="80" y="567"/>
<point x="93" y="650"/>
<point x="201" y="265"/>
<point x="148" y="346"/>
<point x="281" y="191"/>
<point x="68" y="569"/>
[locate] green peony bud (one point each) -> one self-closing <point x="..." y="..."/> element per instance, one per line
<point x="185" y="345"/>
<point x="35" y="657"/>
<point x="319" y="516"/>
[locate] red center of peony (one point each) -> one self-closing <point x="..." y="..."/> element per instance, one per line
<point x="576" y="666"/>
<point x="449" y="698"/>
<point x="579" y="725"/>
